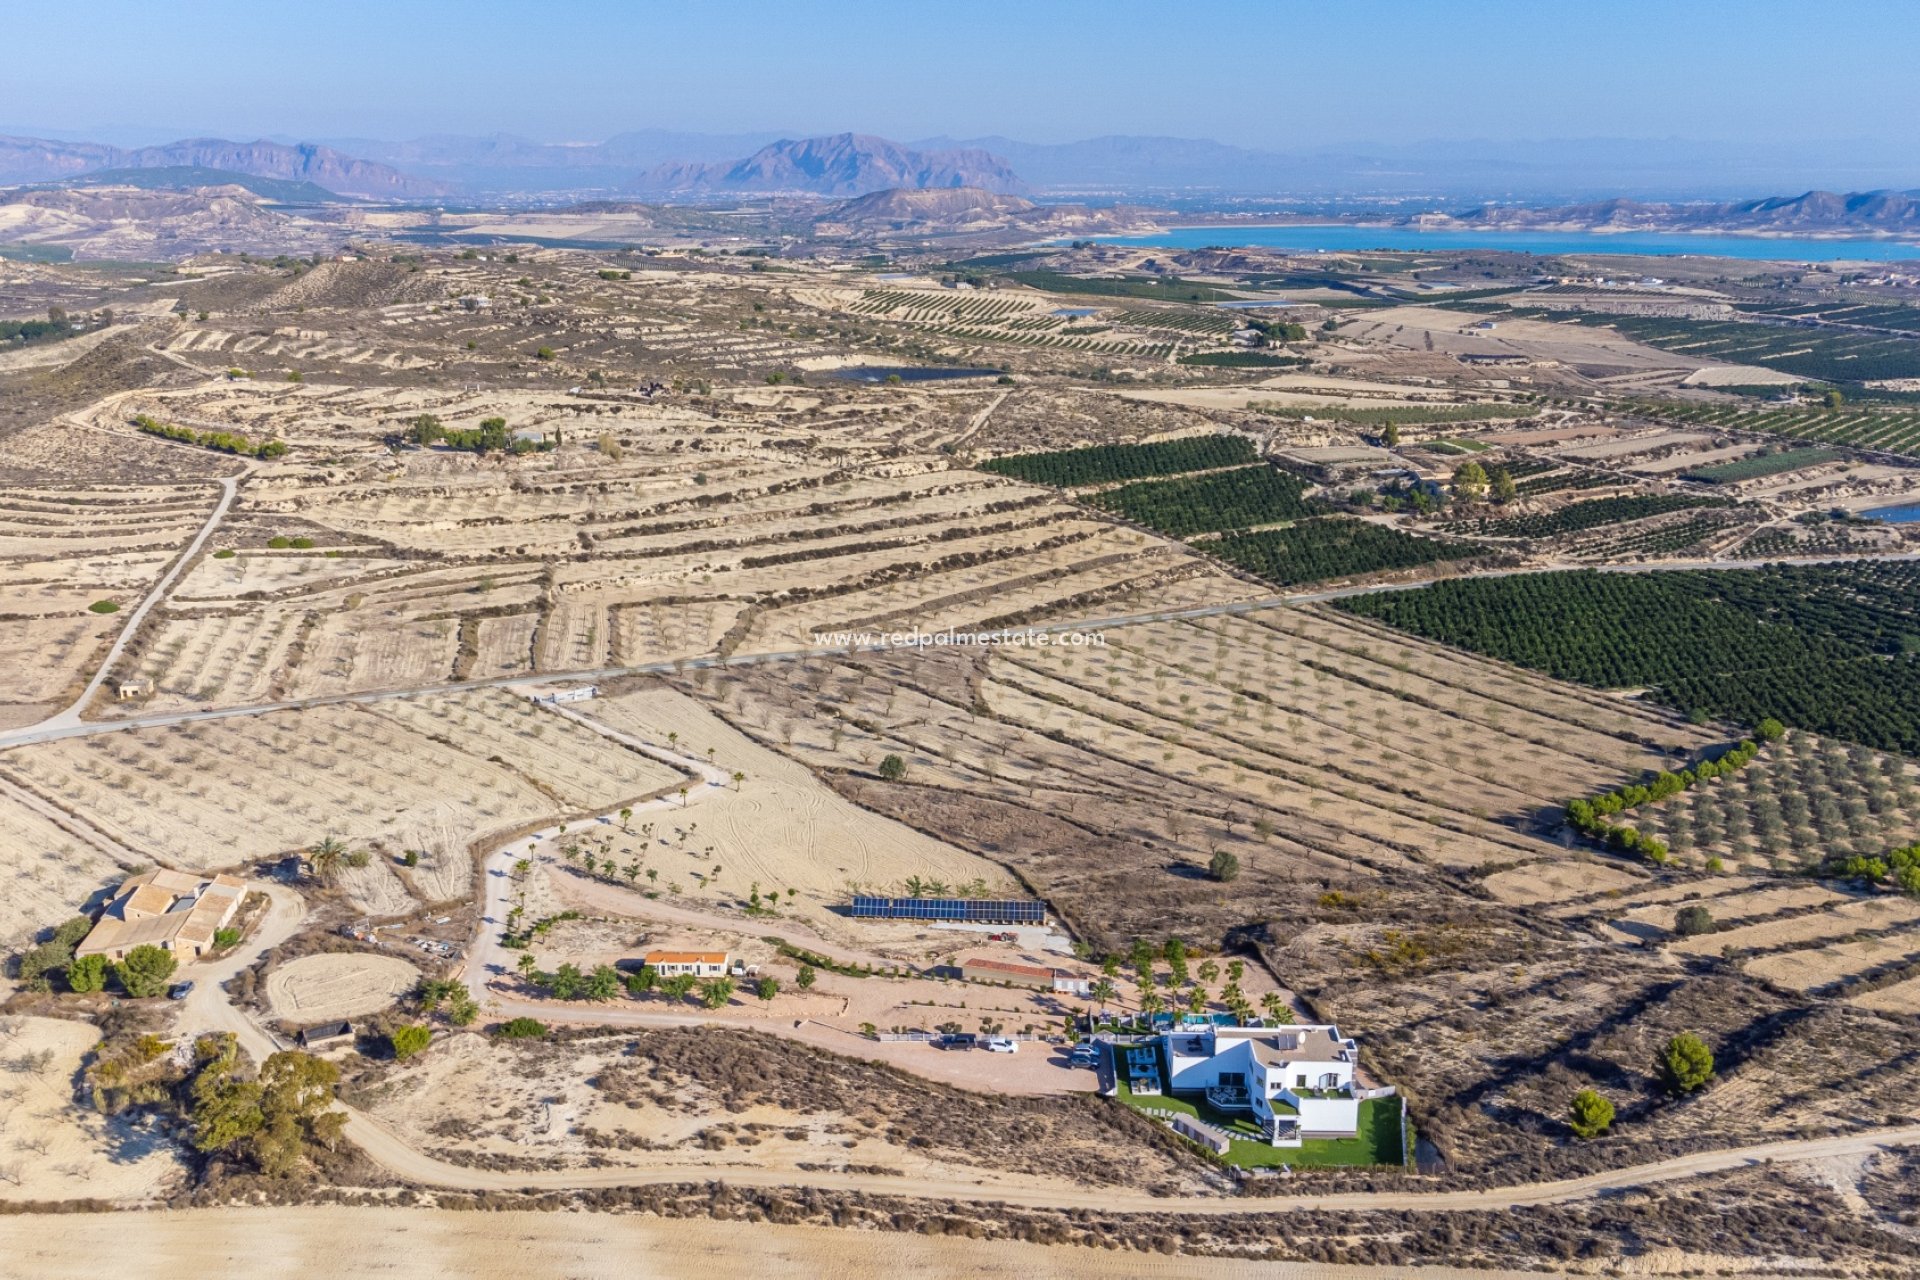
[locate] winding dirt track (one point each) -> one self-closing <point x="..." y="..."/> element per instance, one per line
<point x="387" y="1149"/>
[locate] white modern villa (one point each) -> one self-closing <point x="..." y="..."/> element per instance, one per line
<point x="1297" y="1081"/>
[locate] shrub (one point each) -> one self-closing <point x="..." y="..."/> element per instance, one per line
<point x="521" y="1029"/>
<point x="1223" y="866"/>
<point x="103" y="606"/>
<point x="1686" y="1063"/>
<point x="88" y="973"/>
<point x="226" y="938"/>
<point x="224" y="553"/>
<point x="1692" y="921"/>
<point x="145" y="971"/>
<point x="279" y="542"/>
<point x="893" y="768"/>
<point x="409" y="1039"/>
<point x="544" y="353"/>
<point x="301" y="544"/>
<point x="1591" y="1115"/>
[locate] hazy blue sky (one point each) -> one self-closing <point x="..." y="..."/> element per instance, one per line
<point x="1279" y="74"/>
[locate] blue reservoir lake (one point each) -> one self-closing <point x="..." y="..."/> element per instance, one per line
<point x="908" y="373"/>
<point x="1907" y="513"/>
<point x="1347" y="237"/>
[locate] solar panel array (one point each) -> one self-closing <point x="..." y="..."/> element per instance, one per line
<point x="966" y="910"/>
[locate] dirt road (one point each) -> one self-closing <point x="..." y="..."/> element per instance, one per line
<point x="208" y="1008"/>
<point x="229" y="486"/>
<point x="391" y="1152"/>
<point x="430" y="1244"/>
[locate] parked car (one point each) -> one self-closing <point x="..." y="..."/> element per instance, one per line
<point x="1000" y="1044"/>
<point x="179" y="991"/>
<point x="954" y="1042"/>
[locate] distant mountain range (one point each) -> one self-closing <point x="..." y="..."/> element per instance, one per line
<point x="1891" y="212"/>
<point x="843" y="165"/>
<point x="192" y="178"/>
<point x="1195" y="173"/>
<point x="504" y="162"/>
<point x="28" y="160"/>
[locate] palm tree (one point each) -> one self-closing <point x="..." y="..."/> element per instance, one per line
<point x="324" y="858"/>
<point x="1102" y="991"/>
<point x="626" y="816"/>
<point x="916" y="887"/>
<point x="738" y="778"/>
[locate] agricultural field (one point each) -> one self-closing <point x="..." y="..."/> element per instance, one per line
<point x="1762" y="465"/>
<point x="53" y="864"/>
<point x="1804" y="799"/>
<point x="1335" y="548"/>
<point x="1578" y="517"/>
<point x="72" y="558"/>
<point x="1873" y="315"/>
<point x="430" y="775"/>
<point x="650" y="534"/>
<point x="1324" y="751"/>
<point x="778" y="827"/>
<point x="1396" y="415"/>
<point x="1104" y="464"/>
<point x="1818" y="647"/>
<point x="1237" y="499"/>
<point x="1885" y="428"/>
<point x="1827" y="355"/>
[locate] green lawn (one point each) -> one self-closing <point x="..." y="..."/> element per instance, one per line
<point x="1378" y="1142"/>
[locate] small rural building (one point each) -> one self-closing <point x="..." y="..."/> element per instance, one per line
<point x="700" y="964"/>
<point x="328" y="1035"/>
<point x="173" y="910"/>
<point x="139" y="687"/>
<point x="1019" y="975"/>
<point x="1039" y="977"/>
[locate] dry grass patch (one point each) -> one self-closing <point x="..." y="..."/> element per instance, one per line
<point x="350" y="985"/>
<point x="51" y="1147"/>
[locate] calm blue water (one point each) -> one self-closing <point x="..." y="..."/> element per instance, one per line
<point x="909" y="373"/>
<point x="1906" y="514"/>
<point x="1544" y="242"/>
